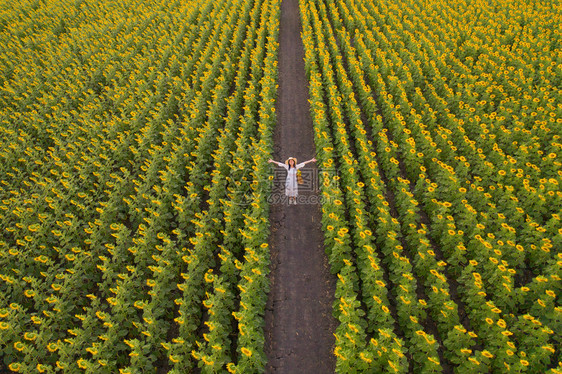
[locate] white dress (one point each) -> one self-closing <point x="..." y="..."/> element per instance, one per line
<point x="291" y="185"/>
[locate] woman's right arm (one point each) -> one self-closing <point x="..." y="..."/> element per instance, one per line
<point x="278" y="163"/>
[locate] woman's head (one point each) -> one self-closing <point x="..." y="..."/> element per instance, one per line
<point x="291" y="161"/>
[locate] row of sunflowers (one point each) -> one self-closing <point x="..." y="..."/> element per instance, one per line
<point x="442" y="224"/>
<point x="134" y="239"/>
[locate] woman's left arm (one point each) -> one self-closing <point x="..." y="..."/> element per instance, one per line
<point x="305" y="162"/>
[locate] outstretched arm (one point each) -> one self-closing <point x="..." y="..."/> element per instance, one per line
<point x="276" y="162"/>
<point x="305" y="162"/>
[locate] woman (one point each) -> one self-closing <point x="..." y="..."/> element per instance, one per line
<point x="291" y="186"/>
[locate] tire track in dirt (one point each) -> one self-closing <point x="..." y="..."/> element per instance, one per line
<point x="299" y="325"/>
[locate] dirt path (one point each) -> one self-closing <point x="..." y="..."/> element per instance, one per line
<point x="299" y="323"/>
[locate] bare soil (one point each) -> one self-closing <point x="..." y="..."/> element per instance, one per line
<point x="299" y="325"/>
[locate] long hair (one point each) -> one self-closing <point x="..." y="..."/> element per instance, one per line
<point x="289" y="163"/>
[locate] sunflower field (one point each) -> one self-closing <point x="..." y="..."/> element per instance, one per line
<point x="133" y="240"/>
<point x="443" y="120"/>
<point x="134" y="182"/>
